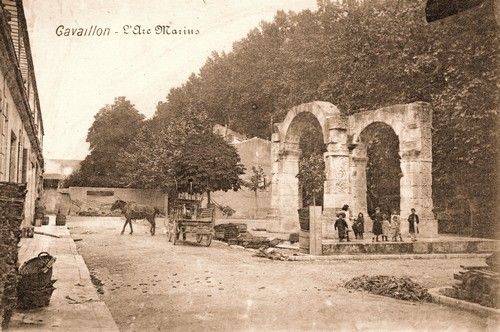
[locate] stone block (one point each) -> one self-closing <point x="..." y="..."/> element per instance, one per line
<point x="420" y="247"/>
<point x="487" y="246"/>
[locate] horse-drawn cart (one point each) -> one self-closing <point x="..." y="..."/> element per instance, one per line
<point x="188" y="217"/>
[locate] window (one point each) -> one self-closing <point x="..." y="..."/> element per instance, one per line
<point x="12" y="158"/>
<point x="24" y="166"/>
<point x="100" y="193"/>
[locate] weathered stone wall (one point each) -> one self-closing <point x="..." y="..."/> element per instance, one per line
<point x="50" y="199"/>
<point x="253" y="152"/>
<point x="13" y="126"/>
<point x="12" y="196"/>
<point x="101" y="199"/>
<point x="243" y="202"/>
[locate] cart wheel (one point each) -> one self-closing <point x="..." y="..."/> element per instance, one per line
<point x="209" y="240"/>
<point x="199" y="237"/>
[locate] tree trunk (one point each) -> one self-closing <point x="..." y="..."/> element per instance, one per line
<point x="256" y="204"/>
<point x="209" y="201"/>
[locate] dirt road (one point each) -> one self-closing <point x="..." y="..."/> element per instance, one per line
<point x="149" y="284"/>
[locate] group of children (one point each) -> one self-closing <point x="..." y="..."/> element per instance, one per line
<point x="387" y="228"/>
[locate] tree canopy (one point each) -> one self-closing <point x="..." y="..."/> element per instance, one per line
<point x="113" y="129"/>
<point x="183" y="154"/>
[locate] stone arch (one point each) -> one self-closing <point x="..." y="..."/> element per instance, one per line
<point x="345" y="161"/>
<point x="321" y="110"/>
<point x="412" y="124"/>
<point x="285" y="153"/>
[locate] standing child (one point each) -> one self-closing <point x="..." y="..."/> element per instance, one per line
<point x="377" y="224"/>
<point x="396" y="227"/>
<point x="341" y="227"/>
<point x="413" y="224"/>
<point x="386" y="227"/>
<point x="360" y="226"/>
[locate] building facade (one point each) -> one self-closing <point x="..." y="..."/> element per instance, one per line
<point x="21" y="127"/>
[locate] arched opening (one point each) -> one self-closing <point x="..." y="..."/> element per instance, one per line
<point x="383" y="170"/>
<point x="305" y="131"/>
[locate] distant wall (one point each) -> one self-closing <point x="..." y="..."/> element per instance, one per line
<point x="253" y="152"/>
<point x="75" y="199"/>
<point x="243" y="202"/>
<point x="50" y="199"/>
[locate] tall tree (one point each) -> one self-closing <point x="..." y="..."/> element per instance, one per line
<point x="113" y="129"/>
<point x="181" y="153"/>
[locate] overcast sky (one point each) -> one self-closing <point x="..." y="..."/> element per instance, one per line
<point x="76" y="76"/>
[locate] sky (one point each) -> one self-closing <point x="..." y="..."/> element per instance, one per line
<point x="78" y="75"/>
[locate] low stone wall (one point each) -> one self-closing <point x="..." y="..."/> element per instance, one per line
<point x="12" y="196"/>
<point x="98" y="200"/>
<point x="101" y="199"/>
<point x="459" y="246"/>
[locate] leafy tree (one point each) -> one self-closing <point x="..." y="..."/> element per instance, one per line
<point x="256" y="183"/>
<point x="114" y="127"/>
<point x="207" y="163"/>
<point x="312" y="176"/>
<point x="182" y="154"/>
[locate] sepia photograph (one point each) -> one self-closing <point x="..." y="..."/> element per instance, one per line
<point x="249" y="165"/>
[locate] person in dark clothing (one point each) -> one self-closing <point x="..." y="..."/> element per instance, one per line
<point x="341" y="227"/>
<point x="413" y="225"/>
<point x="359" y="226"/>
<point x="377" y="224"/>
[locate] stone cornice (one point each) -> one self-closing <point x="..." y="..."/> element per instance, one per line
<point x="27" y="46"/>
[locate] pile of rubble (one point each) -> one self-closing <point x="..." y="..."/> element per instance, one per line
<point x="271" y="253"/>
<point x="398" y="288"/>
<point x="12" y="197"/>
<point x="479" y="284"/>
<point x="237" y="234"/>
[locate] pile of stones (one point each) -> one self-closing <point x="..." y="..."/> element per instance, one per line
<point x="478" y="284"/>
<point x="230" y="231"/>
<point x="12" y="197"/>
<point x="398" y="288"/>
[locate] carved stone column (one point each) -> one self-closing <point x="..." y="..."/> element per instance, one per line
<point x="359" y="204"/>
<point x="285" y="194"/>
<point x="416" y="166"/>
<point x="337" y="167"/>
<point x="416" y="192"/>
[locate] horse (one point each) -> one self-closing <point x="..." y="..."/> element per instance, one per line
<point x="133" y="211"/>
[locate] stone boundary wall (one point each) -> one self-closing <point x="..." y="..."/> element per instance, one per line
<point x="12" y="197"/>
<point x="98" y="200"/>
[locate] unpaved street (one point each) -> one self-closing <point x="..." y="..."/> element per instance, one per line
<point x="149" y="284"/>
